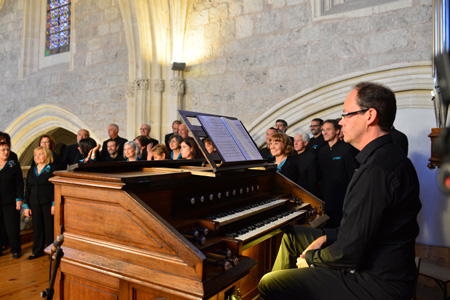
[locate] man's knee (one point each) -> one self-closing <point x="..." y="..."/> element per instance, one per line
<point x="266" y="286"/>
<point x="283" y="284"/>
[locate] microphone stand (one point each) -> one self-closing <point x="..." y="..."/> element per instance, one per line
<point x="50" y="290"/>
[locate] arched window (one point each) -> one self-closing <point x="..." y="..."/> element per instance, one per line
<point x="47" y="32"/>
<point x="57" y="27"/>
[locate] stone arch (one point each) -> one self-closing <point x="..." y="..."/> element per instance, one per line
<point x="42" y="119"/>
<point x="411" y="83"/>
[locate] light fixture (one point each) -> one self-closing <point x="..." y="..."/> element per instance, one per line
<point x="178" y="66"/>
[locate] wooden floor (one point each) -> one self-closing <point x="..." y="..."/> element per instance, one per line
<point x="24" y="280"/>
<point x="21" y="278"/>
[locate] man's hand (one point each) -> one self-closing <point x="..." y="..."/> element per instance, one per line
<point x="317" y="244"/>
<point x="301" y="262"/>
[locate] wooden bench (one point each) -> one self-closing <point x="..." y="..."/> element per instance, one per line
<point x="441" y="275"/>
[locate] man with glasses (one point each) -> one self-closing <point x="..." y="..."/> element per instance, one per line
<point x="145" y="130"/>
<point x="317" y="140"/>
<point x="371" y="255"/>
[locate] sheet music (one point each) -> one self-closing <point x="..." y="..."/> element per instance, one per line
<point x="242" y="138"/>
<point x="221" y="138"/>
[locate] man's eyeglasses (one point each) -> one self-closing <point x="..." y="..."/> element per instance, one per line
<point x="347" y="115"/>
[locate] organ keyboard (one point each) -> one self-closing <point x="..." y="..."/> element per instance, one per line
<point x="236" y="214"/>
<point x="255" y="230"/>
<point x="171" y="230"/>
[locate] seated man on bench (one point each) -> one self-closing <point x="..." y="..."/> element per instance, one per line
<point x="371" y="255"/>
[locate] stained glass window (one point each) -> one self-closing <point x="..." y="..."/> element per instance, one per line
<point x="58" y="27"/>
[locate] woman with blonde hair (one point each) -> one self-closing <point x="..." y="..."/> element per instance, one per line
<point x="280" y="146"/>
<point x="39" y="200"/>
<point x="46" y="141"/>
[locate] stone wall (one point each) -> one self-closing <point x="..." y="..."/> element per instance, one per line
<point x="246" y="56"/>
<point x="11" y="27"/>
<point x="92" y="86"/>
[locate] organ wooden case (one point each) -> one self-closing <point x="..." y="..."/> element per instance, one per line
<point x="151" y="230"/>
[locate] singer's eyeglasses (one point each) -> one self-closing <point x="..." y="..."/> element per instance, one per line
<point x="349" y="114"/>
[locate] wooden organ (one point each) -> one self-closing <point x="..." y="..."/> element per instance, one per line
<point x="173" y="229"/>
<point x="142" y="231"/>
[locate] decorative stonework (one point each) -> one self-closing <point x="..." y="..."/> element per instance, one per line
<point x="130" y="89"/>
<point x="159" y="85"/>
<point x="142" y="84"/>
<point x="177" y="86"/>
<point x="138" y="84"/>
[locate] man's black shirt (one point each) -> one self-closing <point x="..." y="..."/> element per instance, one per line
<point x="308" y="166"/>
<point x="379" y="227"/>
<point x="316" y="143"/>
<point x="336" y="169"/>
<point x="400" y="138"/>
<point x="119" y="157"/>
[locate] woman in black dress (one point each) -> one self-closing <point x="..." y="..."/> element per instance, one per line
<point x="39" y="200"/>
<point x="5" y="138"/>
<point x="11" y="197"/>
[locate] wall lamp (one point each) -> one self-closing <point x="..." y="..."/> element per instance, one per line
<point x="178" y="66"/>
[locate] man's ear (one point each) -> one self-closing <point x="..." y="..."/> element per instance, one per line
<point x="372" y="116"/>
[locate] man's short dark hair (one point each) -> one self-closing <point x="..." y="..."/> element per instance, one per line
<point x="318" y="120"/>
<point x="381" y="98"/>
<point x="113" y="141"/>
<point x="334" y="122"/>
<point x="273" y="128"/>
<point x="176" y="122"/>
<point x="285" y="124"/>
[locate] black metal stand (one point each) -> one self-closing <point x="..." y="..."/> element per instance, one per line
<point x="50" y="290"/>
